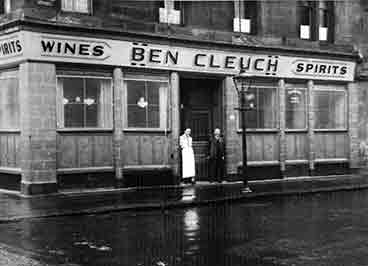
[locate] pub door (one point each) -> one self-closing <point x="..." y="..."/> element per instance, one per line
<point x="200" y="111"/>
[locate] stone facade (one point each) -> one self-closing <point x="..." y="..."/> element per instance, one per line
<point x="44" y="148"/>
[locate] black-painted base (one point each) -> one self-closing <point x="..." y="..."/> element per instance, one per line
<point x="148" y="177"/>
<point x="36" y="189"/>
<point x="10" y="181"/>
<point x="332" y="169"/>
<point x="262" y="172"/>
<point x="83" y="181"/>
<point x="297" y="170"/>
<point x="274" y="172"/>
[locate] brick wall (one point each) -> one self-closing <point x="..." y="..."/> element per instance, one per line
<point x="37" y="93"/>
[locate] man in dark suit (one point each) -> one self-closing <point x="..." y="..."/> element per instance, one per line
<point x="217" y="156"/>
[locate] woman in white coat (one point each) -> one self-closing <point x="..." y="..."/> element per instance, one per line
<point x="187" y="155"/>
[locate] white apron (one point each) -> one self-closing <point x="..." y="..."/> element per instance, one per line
<point x="187" y="154"/>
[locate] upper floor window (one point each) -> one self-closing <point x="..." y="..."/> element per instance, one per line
<point x="245" y="16"/>
<point x="316" y="20"/>
<point x="5" y="6"/>
<point x="170" y="11"/>
<point x="80" y="6"/>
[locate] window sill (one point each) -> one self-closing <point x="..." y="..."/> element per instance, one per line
<point x="87" y="129"/>
<point x="10" y="130"/>
<point x="331" y="130"/>
<point x="153" y="130"/>
<point x="332" y="160"/>
<point x="301" y="130"/>
<point x="266" y="130"/>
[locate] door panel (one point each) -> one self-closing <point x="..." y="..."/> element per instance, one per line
<point x="200" y="124"/>
<point x="200" y="104"/>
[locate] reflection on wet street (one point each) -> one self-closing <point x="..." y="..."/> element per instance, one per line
<point x="319" y="229"/>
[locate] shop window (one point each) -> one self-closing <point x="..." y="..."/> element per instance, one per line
<point x="330" y="108"/>
<point x="263" y="115"/>
<point x="147" y="104"/>
<point x="85" y="102"/>
<point x="80" y="6"/>
<point x="170" y="12"/>
<point x="245" y="16"/>
<point x="295" y="108"/>
<point x="9" y="103"/>
<point x="316" y="20"/>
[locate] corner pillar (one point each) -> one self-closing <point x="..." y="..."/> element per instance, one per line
<point x="38" y="143"/>
<point x="353" y="92"/>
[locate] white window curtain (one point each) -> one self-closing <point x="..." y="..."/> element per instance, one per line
<point x="104" y="111"/>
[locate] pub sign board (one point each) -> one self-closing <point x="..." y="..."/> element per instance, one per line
<point x="59" y="48"/>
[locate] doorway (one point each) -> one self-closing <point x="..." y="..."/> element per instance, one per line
<point x="201" y="111"/>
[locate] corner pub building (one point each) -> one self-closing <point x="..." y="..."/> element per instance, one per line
<point x="88" y="100"/>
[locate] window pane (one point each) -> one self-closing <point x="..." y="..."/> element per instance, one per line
<point x="295" y="113"/>
<point x="92" y="102"/>
<point x="73" y="115"/>
<point x="76" y="5"/>
<point x="305" y="13"/>
<point x="329" y="108"/>
<point x="9" y="103"/>
<point x="136" y="116"/>
<point x="73" y="102"/>
<point x="250" y="9"/>
<point x="153" y="92"/>
<point x="153" y="116"/>
<point x="266" y="108"/>
<point x="251" y="119"/>
<point x="67" y="5"/>
<point x="81" y="6"/>
<point x="136" y="90"/>
<point x="137" y="103"/>
<point x="264" y="113"/>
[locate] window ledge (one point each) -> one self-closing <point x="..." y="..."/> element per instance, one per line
<point x="266" y="130"/>
<point x="87" y="129"/>
<point x="10" y="130"/>
<point x="332" y="130"/>
<point x="158" y="130"/>
<point x="332" y="160"/>
<point x="302" y="130"/>
<point x="296" y="161"/>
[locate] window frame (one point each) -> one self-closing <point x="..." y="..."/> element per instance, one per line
<point x="315" y="21"/>
<point x="137" y="77"/>
<point x="174" y="5"/>
<point x="239" y="16"/>
<point x="73" y="10"/>
<point x="346" y="114"/>
<point x="276" y="112"/>
<point x="60" y="122"/>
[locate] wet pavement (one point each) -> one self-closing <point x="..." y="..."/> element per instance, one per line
<point x="315" y="229"/>
<point x="15" y="207"/>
